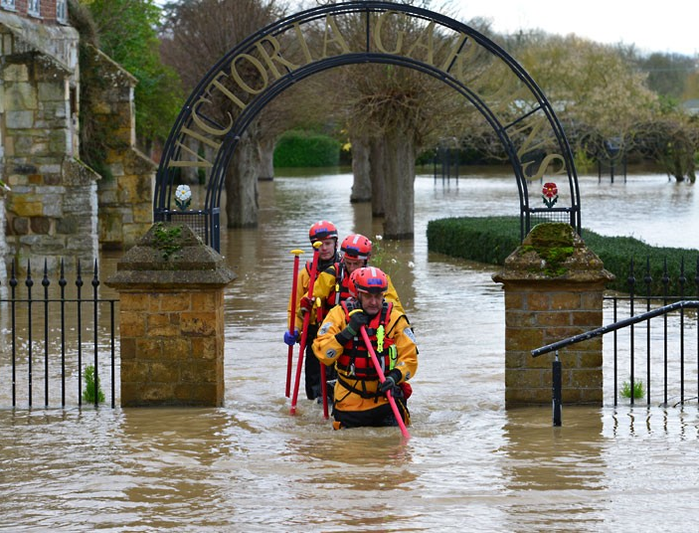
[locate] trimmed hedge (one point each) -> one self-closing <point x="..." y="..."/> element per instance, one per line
<point x="491" y="239"/>
<point x="297" y="148"/>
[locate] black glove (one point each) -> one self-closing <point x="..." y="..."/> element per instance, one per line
<point x="391" y="382"/>
<point x="358" y="318"/>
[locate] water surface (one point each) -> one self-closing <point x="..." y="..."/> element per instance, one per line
<point x="470" y="464"/>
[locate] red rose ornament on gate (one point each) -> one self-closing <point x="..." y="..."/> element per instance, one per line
<point x="549" y="194"/>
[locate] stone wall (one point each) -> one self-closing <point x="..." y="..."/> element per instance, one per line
<point x="126" y="190"/>
<point x="59" y="207"/>
<point x="51" y="211"/>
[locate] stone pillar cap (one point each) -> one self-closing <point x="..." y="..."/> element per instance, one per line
<point x="171" y="254"/>
<point x="553" y="251"/>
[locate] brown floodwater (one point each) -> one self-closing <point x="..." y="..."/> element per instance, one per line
<point x="469" y="465"/>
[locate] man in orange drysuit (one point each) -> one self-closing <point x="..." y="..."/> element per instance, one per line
<point x="360" y="400"/>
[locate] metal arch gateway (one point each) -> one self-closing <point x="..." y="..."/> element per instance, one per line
<point x="280" y="55"/>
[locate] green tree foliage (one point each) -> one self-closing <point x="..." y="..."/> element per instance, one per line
<point x="691" y="88"/>
<point x="610" y="97"/>
<point x="590" y="84"/>
<point x="126" y="30"/>
<point x="672" y="140"/>
<point x="668" y="74"/>
<point x="306" y="149"/>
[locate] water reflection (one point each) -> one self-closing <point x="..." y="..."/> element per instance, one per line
<point x="550" y="459"/>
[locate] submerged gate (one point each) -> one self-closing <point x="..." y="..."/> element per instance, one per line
<point x="266" y="63"/>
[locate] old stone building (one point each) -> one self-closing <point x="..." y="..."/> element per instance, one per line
<point x="57" y="206"/>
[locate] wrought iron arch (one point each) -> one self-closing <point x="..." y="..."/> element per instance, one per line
<point x="519" y="112"/>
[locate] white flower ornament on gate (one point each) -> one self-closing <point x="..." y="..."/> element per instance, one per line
<point x="183" y="197"/>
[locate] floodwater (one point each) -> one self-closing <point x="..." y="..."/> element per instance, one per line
<point x="469" y="464"/>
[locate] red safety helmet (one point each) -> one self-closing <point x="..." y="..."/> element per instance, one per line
<point x="356" y="246"/>
<point x="368" y="279"/>
<point x="322" y="230"/>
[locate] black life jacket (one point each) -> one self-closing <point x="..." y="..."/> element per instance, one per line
<point x="322" y="265"/>
<point x="340" y="291"/>
<point x="355" y="358"/>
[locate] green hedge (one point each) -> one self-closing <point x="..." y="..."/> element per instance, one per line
<point x="492" y="239"/>
<point x="297" y="148"/>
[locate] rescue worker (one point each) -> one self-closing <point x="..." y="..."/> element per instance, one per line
<point x="360" y="400"/>
<point x="331" y="287"/>
<point x="332" y="284"/>
<point x="326" y="233"/>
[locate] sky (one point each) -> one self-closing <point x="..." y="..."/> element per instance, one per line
<point x="669" y="26"/>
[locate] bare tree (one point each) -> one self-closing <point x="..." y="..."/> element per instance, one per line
<point x="399" y="111"/>
<point x="196" y="34"/>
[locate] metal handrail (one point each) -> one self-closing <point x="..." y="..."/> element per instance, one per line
<point x="688" y="304"/>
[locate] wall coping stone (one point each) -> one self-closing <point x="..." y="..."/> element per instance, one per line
<point x="171" y="255"/>
<point x="553" y="251"/>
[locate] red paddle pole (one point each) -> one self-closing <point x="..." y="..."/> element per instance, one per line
<point x="292" y="319"/>
<point x="382" y="378"/>
<point x="304" y="333"/>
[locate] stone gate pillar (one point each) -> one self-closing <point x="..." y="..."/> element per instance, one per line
<point x="553" y="289"/>
<point x="171" y="319"/>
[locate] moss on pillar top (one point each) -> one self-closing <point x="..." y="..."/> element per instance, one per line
<point x="171" y="254"/>
<point x="553" y="250"/>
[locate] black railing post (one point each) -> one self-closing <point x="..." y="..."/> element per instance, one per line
<point x="648" y="280"/>
<point x="29" y="283"/>
<point x="45" y="282"/>
<point x="95" y="285"/>
<point x="456" y="168"/>
<point x="13" y="287"/>
<point x="666" y="292"/>
<point x="683" y="281"/>
<point x="632" y="285"/>
<point x="556" y="379"/>
<point x="62" y="283"/>
<point x="79" y="285"/>
<point x="616" y="352"/>
<point x="113" y="352"/>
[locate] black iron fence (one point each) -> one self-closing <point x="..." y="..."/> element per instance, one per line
<point x="658" y="350"/>
<point x="655" y="339"/>
<point x="57" y="343"/>
<point x="446" y="164"/>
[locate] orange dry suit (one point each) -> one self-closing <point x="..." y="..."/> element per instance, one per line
<point x="311" y="366"/>
<point x="358" y="401"/>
